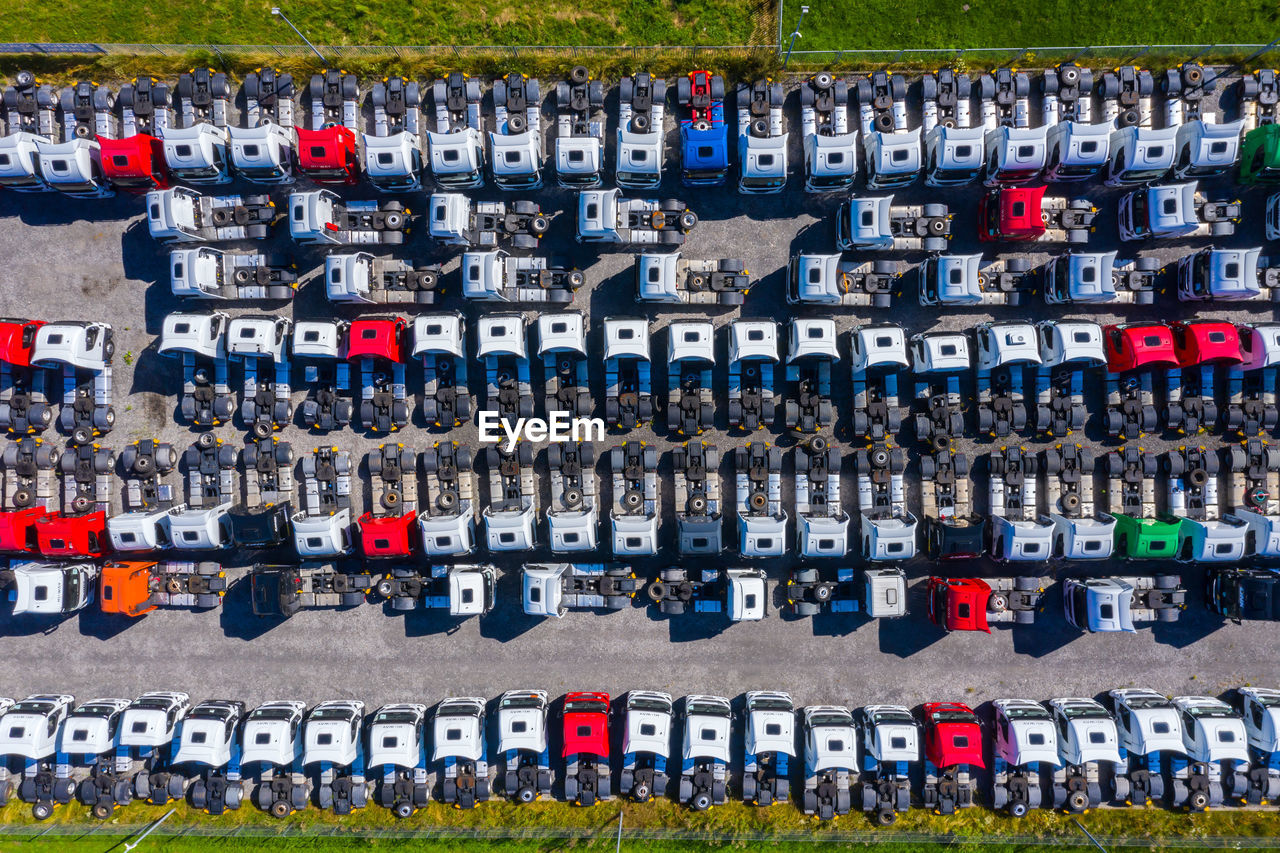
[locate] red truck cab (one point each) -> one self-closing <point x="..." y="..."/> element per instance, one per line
<point x="1011" y="213"/>
<point x="1206" y="342"/>
<point x="72" y="535"/>
<point x="329" y="155"/>
<point x="387" y="536"/>
<point x="134" y="164"/>
<point x="959" y="604"/>
<point x="1134" y="346"/>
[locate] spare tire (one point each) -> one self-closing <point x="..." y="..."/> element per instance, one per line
<point x="515" y="123"/>
<point x="25" y="78"/>
<point x="884" y="123"/>
<point x="640" y="122"/>
<point x="578" y="75"/>
<point x="823" y="80"/>
<point x="1069" y="75"/>
<point x="394" y="220"/>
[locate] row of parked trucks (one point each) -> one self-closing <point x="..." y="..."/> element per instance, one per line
<point x="1060" y="503"/>
<point x="496" y="233"/>
<point x="1047" y="378"/>
<point x="88" y="140"/>
<point x="1113" y="603"/>
<point x="1137" y="747"/>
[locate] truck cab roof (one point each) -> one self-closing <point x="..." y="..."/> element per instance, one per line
<point x="152" y="719"/>
<point x="891" y="733"/>
<point x="209" y="733"/>
<point x="830" y="740"/>
<point x="1147" y="721"/>
<point x="648" y="723"/>
<point x="626" y="337"/>
<point x="940" y="352"/>
<point x="812" y="338"/>
<point x="522" y="721"/>
<point x="502" y="334"/>
<point x="541" y="592"/>
<point x="707" y="722"/>
<point x="771" y="723"/>
<point x="331" y="732"/>
<point x="1212" y="730"/>
<point x="29" y="728"/>
<point x="318" y="338"/>
<point x="80" y="344"/>
<point x="439" y="333"/>
<point x="1070" y="342"/>
<point x="91" y="728"/>
<point x="1024" y="733"/>
<point x="1087" y="733"/>
<point x="1003" y="344"/>
<point x="272" y="734"/>
<point x="52" y="588"/>
<point x="396" y="736"/>
<point x="878" y="345"/>
<point x="200" y="334"/>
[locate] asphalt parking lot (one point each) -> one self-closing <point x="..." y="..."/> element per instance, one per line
<point x="68" y="259"/>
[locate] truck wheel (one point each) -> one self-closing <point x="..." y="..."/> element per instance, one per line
<point x="403" y="809"/>
<point x="701" y="802"/>
<point x="526" y="794"/>
<point x="42" y="810"/>
<point x="281" y="809"/>
<point x="1018" y="809"/>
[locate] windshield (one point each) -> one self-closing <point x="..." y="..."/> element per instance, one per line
<point x="331" y="714"/>
<point x="1209" y="711"/>
<point x="1075" y="171"/>
<point x="394" y="717"/>
<point x="1144" y="175"/>
<point x="645" y="703"/>
<point x="1085" y="712"/>
<point x="272" y="714"/>
<point x="830" y="718"/>
<point x="895" y="716"/>
<point x="1026" y="712"/>
<point x="770" y="703"/>
<point x="831" y="182"/>
<point x="585" y="706"/>
<point x="31" y="707"/>
<point x="72" y="588"/>
<point x="1138" y="218"/>
<point x="1140" y="703"/>
<point x="520" y="702"/>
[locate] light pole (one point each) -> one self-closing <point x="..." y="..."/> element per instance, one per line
<point x="795" y="34"/>
<point x="275" y="10"/>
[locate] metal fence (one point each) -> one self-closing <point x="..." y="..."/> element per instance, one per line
<point x="976" y="58"/>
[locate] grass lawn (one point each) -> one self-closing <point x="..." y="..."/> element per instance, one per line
<point x="893" y="25"/>
<point x="500" y="22"/>
<point x="740" y="826"/>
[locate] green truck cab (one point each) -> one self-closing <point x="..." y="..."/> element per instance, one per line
<point x="1260" y="155"/>
<point x="1146" y="539"/>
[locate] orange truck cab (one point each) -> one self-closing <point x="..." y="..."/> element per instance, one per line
<point x="136" y="588"/>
